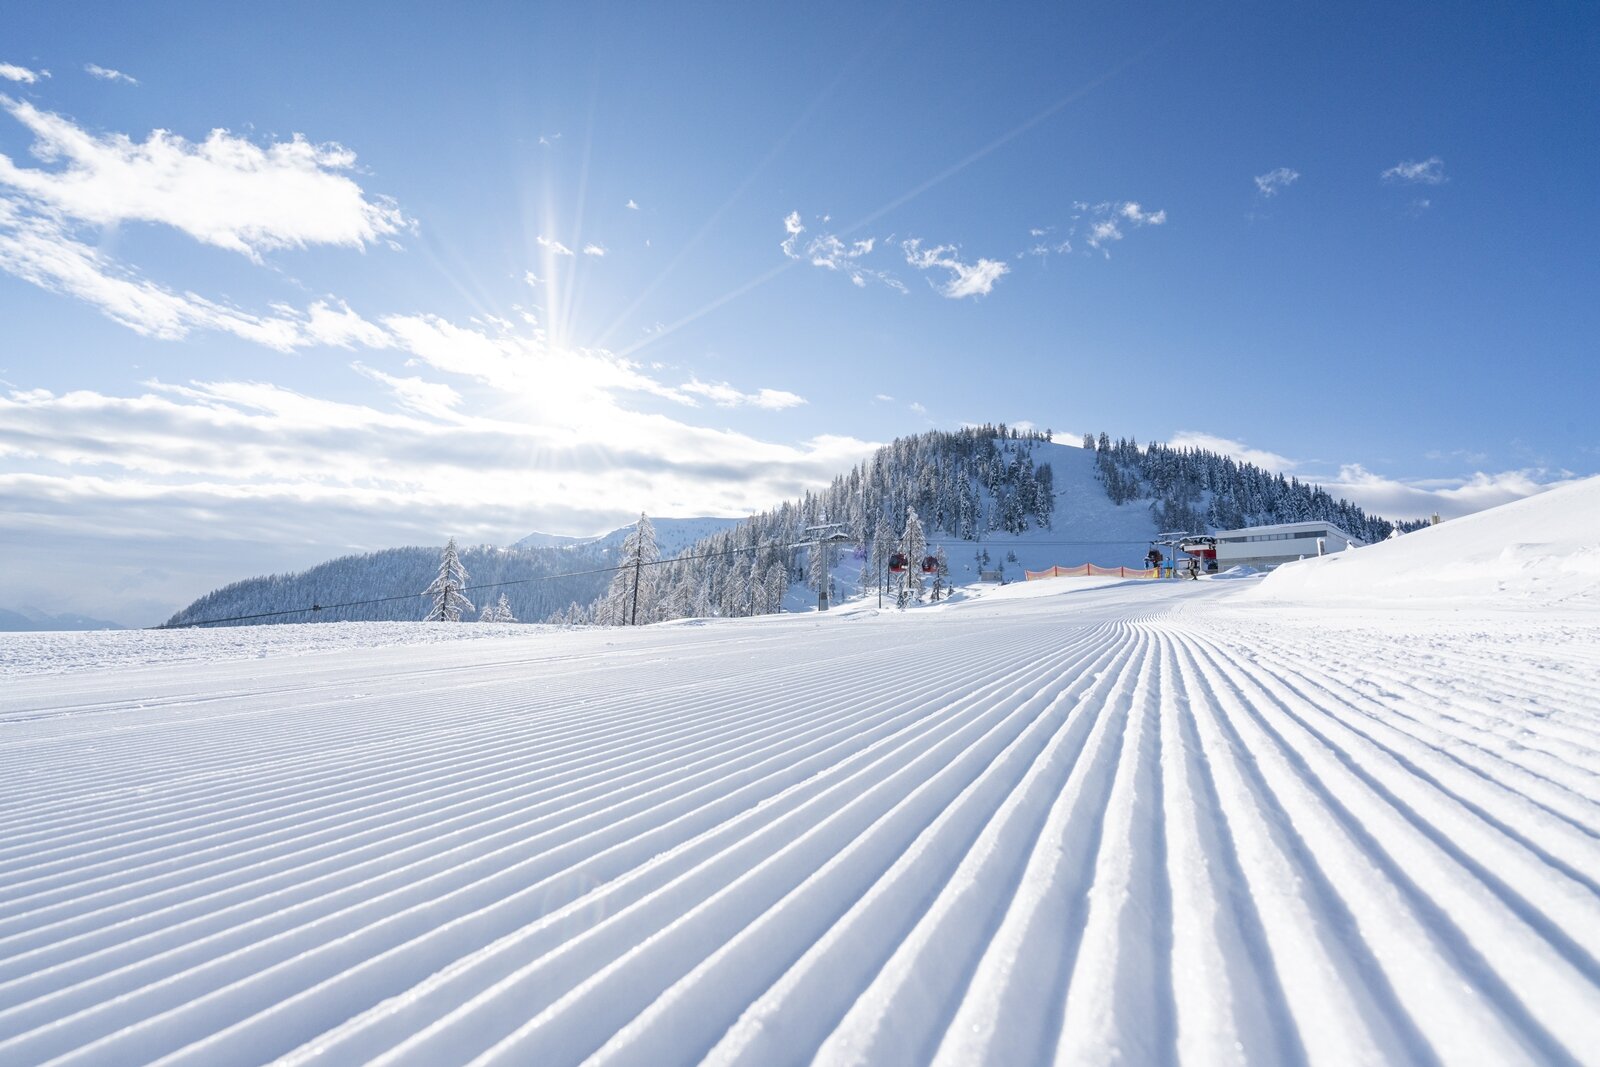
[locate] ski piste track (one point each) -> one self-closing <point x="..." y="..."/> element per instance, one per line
<point x="1130" y="824"/>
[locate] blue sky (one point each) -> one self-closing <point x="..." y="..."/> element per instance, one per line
<point x="392" y="274"/>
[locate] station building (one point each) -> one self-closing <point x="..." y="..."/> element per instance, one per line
<point x="1263" y="547"/>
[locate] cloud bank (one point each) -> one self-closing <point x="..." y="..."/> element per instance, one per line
<point x="224" y="191"/>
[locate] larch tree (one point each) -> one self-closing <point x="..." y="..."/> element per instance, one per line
<point x="632" y="598"/>
<point x="448" y="599"/>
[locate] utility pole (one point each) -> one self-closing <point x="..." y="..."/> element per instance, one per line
<point x="638" y="567"/>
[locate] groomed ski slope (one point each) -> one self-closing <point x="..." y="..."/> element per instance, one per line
<point x="1065" y="822"/>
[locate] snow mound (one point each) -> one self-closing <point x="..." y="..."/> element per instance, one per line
<point x="1539" y="552"/>
<point x="1243" y="570"/>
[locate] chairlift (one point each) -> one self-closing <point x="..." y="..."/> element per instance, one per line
<point x="930" y="564"/>
<point x="897" y="563"/>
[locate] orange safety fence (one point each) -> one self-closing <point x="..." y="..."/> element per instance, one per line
<point x="1090" y="570"/>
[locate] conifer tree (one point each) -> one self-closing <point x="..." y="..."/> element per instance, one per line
<point x="448" y="600"/>
<point x="633" y="597"/>
<point x="915" y="547"/>
<point x="941" y="577"/>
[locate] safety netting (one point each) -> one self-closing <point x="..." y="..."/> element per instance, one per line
<point x="1090" y="570"/>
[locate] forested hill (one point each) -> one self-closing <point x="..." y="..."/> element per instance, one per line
<point x="405" y="572"/>
<point x="990" y="484"/>
<point x="1197" y="491"/>
<point x="972" y="483"/>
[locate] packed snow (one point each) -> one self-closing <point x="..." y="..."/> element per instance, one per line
<point x="1076" y="821"/>
<point x="63" y="651"/>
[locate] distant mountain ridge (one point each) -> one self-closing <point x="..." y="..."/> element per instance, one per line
<point x="672" y="535"/>
<point x="386" y="586"/>
<point x="32" y="620"/>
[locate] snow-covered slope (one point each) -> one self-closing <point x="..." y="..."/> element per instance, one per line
<point x="1537" y="553"/>
<point x="1048" y="823"/>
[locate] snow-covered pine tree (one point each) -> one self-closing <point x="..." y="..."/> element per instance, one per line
<point x="777" y="582"/>
<point x="883" y="546"/>
<point x="502" y="610"/>
<point x="632" y="599"/>
<point x="915" y="547"/>
<point x="941" y="577"/>
<point x="448" y="599"/>
<point x="819" y="563"/>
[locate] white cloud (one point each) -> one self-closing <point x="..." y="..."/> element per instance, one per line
<point x="1238" y="450"/>
<point x="1428" y="172"/>
<point x="793" y="227"/>
<point x="1448" y="497"/>
<point x="554" y="247"/>
<point x="1105" y="221"/>
<point x="107" y="74"/>
<point x="595" y="250"/>
<point x="726" y="396"/>
<point x="38" y="250"/>
<point x="831" y="252"/>
<point x="331" y="322"/>
<point x="1131" y="211"/>
<point x="631" y="205"/>
<point x="531" y="279"/>
<point x="423" y="397"/>
<point x="225" y="191"/>
<point x="966" y="279"/>
<point x="1272" y="181"/>
<point x="1097" y="226"/>
<point x="12" y="72"/>
<point x="1392" y="498"/>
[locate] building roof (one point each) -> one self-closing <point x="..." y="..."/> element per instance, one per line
<point x="1288" y="527"/>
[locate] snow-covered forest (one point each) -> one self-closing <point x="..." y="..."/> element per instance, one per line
<point x="974" y="482"/>
<point x="1195" y="490"/>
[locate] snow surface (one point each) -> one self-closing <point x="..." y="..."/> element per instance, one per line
<point x="62" y="651"/>
<point x="1075" y="821"/>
